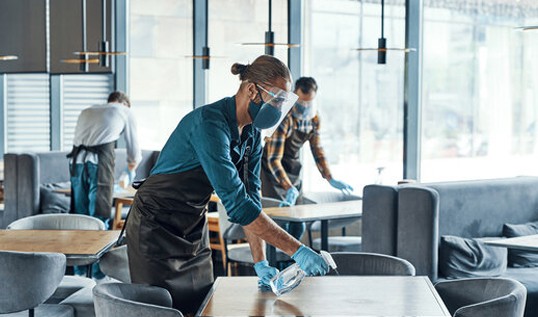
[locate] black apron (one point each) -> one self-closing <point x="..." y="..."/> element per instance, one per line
<point x="106" y="157"/>
<point x="290" y="162"/>
<point x="167" y="236"/>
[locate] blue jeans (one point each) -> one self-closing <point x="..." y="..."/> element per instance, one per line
<point x="84" y="186"/>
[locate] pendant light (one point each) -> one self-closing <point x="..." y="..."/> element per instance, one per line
<point x="84" y="59"/>
<point x="527" y="28"/>
<point x="104" y="52"/>
<point x="270" y="37"/>
<point x="382" y="42"/>
<point x="8" y="57"/>
<point x="205" y="57"/>
<point x="102" y="56"/>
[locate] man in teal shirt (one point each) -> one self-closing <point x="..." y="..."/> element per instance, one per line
<point x="215" y="147"/>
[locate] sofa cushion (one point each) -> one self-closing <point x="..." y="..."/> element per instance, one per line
<point x="527" y="277"/>
<point x="518" y="258"/>
<point x="51" y="202"/>
<point x="464" y="257"/>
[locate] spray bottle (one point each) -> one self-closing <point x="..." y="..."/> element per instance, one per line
<point x="293" y="275"/>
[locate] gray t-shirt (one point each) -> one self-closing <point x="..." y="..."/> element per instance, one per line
<point x="101" y="124"/>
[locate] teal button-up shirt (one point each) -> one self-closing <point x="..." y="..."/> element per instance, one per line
<point x="209" y="137"/>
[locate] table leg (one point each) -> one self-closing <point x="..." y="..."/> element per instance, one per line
<point x="325" y="235"/>
<point x="271" y="255"/>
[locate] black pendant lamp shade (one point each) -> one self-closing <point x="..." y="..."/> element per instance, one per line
<point x="382" y="42"/>
<point x="270" y="37"/>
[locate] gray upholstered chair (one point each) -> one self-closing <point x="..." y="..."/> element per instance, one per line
<point x="57" y="222"/>
<point x="361" y="263"/>
<point x="481" y="297"/>
<point x="28" y="280"/>
<point x="72" y="289"/>
<point x="60" y="222"/>
<point x="115" y="263"/>
<point x="231" y="233"/>
<point x="135" y="300"/>
<point x="341" y="243"/>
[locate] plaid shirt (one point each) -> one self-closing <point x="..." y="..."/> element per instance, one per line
<point x="275" y="147"/>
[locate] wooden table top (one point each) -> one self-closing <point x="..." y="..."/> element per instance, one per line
<point x="527" y="243"/>
<point x="68" y="242"/>
<point x="312" y="212"/>
<point x="327" y="296"/>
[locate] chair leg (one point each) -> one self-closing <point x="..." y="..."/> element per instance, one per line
<point x="89" y="271"/>
<point x="31" y="312"/>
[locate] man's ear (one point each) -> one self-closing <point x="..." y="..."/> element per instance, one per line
<point x="252" y="91"/>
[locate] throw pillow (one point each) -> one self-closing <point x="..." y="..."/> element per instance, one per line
<point x="517" y="258"/>
<point x="51" y="202"/>
<point x="463" y="258"/>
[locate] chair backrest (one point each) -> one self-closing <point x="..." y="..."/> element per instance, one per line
<point x="28" y="279"/>
<point x="361" y="263"/>
<point x="481" y="297"/>
<point x="119" y="299"/>
<point x="57" y="222"/>
<point x="115" y="263"/>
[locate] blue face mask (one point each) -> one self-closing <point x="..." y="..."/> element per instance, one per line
<point x="263" y="115"/>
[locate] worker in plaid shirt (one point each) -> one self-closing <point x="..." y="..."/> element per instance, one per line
<point x="281" y="166"/>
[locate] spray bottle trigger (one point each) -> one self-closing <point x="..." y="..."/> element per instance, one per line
<point x="328" y="259"/>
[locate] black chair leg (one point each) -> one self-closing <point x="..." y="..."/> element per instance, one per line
<point x="31" y="312"/>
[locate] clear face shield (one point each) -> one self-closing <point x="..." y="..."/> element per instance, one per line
<point x="273" y="111"/>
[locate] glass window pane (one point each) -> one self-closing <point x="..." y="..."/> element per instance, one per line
<point x="360" y="102"/>
<point x="160" y="67"/>
<point x="27" y="113"/>
<point x="232" y="23"/>
<point x="479" y="104"/>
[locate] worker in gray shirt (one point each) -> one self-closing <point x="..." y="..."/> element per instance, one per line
<point x="92" y="158"/>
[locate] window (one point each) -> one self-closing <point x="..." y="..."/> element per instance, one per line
<point x="480" y="104"/>
<point x="360" y="102"/>
<point x="27" y="113"/>
<point x="233" y="22"/>
<point x="160" y="69"/>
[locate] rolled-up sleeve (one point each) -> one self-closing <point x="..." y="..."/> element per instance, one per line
<point x="211" y="141"/>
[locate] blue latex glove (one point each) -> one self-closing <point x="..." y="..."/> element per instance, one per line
<point x="291" y="197"/>
<point x="131" y="174"/>
<point x="310" y="262"/>
<point x="345" y="188"/>
<point x="264" y="272"/>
